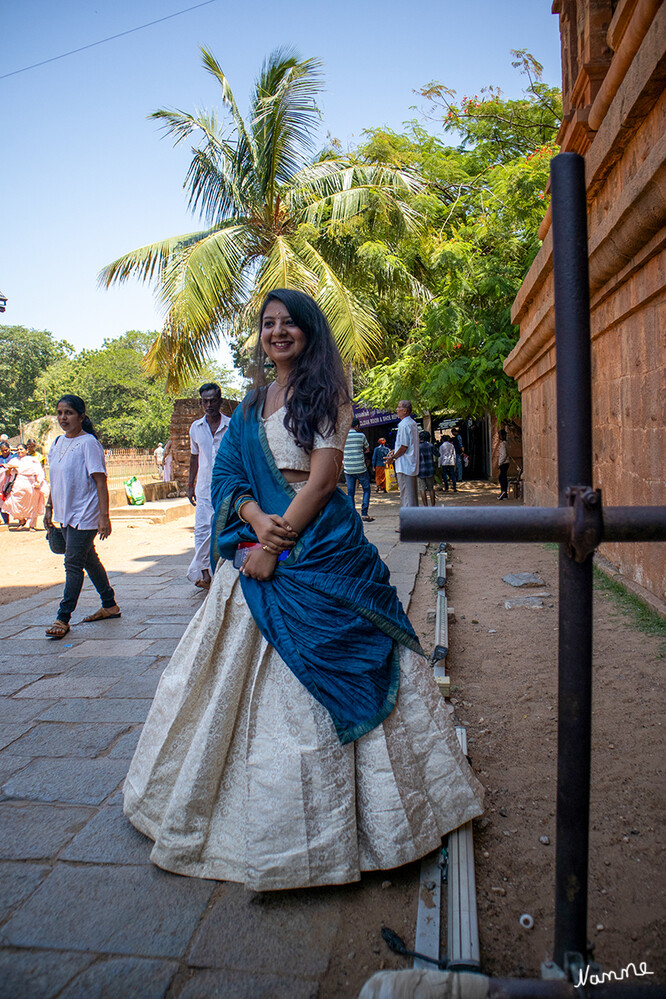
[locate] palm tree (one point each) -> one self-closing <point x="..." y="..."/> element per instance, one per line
<point x="268" y="207"/>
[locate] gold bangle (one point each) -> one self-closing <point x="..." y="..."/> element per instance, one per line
<point x="240" y="515"/>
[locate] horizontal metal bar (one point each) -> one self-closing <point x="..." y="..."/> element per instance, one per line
<point x="634" y="523"/>
<point x="473" y="523"/>
<point x="526" y="523"/>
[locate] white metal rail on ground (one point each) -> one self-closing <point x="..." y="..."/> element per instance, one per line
<point x="463" y="951"/>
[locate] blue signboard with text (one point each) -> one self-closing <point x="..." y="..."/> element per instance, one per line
<point x="374" y="417"/>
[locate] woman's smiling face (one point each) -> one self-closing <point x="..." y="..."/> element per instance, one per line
<point x="281" y="338"/>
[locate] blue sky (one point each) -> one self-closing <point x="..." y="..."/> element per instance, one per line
<point x="85" y="177"/>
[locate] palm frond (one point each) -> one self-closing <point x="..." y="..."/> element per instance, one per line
<point x="206" y="279"/>
<point x="221" y="171"/>
<point x="355" y="327"/>
<point x="179" y="124"/>
<point x="245" y="143"/>
<point x="283" y="267"/>
<point x="335" y="191"/>
<point x="201" y="288"/>
<point x="148" y="262"/>
<point x="285" y="116"/>
<point x="178" y="354"/>
<point x="219" y="187"/>
<point x="388" y="270"/>
<point x="340" y="173"/>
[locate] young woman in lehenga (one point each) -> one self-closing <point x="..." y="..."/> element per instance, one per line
<point x="297" y="737"/>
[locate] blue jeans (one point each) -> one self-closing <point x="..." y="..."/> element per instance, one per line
<point x="449" y="472"/>
<point x="80" y="555"/>
<point x="459" y="467"/>
<point x="364" y="479"/>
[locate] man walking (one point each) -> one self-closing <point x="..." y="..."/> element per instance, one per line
<point x="205" y="437"/>
<point x="447" y="462"/>
<point x="355" y="467"/>
<point x="158" y="455"/>
<point x="427" y="458"/>
<point x="379" y="464"/>
<point x="406" y="454"/>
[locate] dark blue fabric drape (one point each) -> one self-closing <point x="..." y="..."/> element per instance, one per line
<point x="329" y="609"/>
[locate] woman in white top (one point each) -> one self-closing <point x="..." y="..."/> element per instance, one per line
<point x="297" y="736"/>
<point x="79" y="502"/>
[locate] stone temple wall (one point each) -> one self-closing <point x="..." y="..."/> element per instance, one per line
<point x="615" y="115"/>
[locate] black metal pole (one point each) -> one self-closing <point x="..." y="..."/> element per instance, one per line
<point x="574" y="450"/>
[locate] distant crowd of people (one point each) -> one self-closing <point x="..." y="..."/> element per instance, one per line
<point x="23" y="485"/>
<point x="414" y="458"/>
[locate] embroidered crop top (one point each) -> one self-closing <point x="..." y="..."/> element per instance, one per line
<point x="285" y="450"/>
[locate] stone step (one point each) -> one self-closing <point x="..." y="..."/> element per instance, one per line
<point x="153" y="491"/>
<point x="158" y="512"/>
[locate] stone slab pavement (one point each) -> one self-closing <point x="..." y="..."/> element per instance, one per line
<point x="83" y="912"/>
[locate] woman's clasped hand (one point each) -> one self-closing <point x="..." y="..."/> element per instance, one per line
<point x="274" y="535"/>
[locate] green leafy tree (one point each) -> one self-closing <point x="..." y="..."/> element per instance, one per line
<point x="497" y="130"/>
<point x="483" y="201"/>
<point x="129" y="407"/>
<point x="24" y="355"/>
<point x="274" y="215"/>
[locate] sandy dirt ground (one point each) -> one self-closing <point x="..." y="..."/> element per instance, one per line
<point x="503" y="667"/>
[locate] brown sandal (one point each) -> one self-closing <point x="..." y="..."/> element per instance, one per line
<point x="57" y="630"/>
<point x="103" y="614"/>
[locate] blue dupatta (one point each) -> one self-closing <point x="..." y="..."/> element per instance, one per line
<point x="329" y="609"/>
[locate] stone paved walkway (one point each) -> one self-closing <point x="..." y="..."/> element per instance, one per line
<point x="83" y="913"/>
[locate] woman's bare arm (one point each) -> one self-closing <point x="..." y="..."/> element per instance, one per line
<point x="325" y="468"/>
<point x="104" y="527"/>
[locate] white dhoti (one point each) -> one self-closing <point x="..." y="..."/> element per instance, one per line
<point x="203" y="446"/>
<point x="203" y="521"/>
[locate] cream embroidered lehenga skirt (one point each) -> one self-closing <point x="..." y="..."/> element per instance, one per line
<point x="239" y="774"/>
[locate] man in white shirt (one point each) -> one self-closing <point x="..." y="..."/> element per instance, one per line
<point x="205" y="437"/>
<point x="158" y="455"/>
<point x="405" y="455"/>
<point x="447" y="462"/>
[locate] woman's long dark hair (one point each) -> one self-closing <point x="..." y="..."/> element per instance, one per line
<point x="76" y="403"/>
<point x="316" y="387"/>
